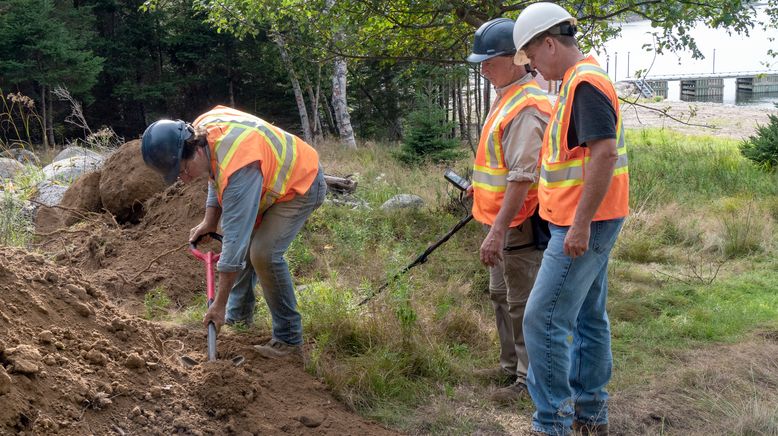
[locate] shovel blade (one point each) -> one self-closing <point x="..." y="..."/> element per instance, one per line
<point x="188" y="362"/>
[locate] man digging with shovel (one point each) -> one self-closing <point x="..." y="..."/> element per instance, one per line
<point x="263" y="183"/>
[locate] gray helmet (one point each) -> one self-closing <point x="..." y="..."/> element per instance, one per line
<point x="493" y="38"/>
<point x="162" y="145"/>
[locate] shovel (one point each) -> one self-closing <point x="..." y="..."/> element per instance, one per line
<point x="210" y="258"/>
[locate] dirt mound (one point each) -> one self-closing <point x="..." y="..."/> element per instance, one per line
<point x="127" y="182"/>
<point x="72" y="363"/>
<point x="82" y="197"/>
<point x="133" y="259"/>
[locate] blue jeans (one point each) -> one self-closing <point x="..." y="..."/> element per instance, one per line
<point x="265" y="258"/>
<point x="567" y="332"/>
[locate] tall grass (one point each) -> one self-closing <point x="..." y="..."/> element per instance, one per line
<point x="666" y="166"/>
<point x="16" y="226"/>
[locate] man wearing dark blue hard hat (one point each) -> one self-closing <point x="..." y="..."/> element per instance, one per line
<point x="505" y="176"/>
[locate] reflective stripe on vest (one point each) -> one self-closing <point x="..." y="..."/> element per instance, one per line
<point x="282" y="146"/>
<point x="491" y="174"/>
<point x="556" y="173"/>
<point x="489" y="170"/>
<point x="563" y="170"/>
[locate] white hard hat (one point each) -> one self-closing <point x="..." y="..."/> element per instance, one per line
<point x="534" y="20"/>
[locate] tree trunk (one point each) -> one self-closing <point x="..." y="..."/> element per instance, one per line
<point x="44" y="133"/>
<point x="50" y="116"/>
<point x="455" y="130"/>
<point x="327" y="105"/>
<point x="339" y="103"/>
<point x="315" y="121"/>
<point x="340" y="185"/>
<point x="298" y="93"/>
<point x="477" y="97"/>
<point x="462" y="128"/>
<point x="339" y="100"/>
<point x="487" y="100"/>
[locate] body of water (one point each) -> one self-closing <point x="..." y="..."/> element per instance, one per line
<point x="623" y="56"/>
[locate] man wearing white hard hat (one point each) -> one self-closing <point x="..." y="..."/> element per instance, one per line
<point x="584" y="194"/>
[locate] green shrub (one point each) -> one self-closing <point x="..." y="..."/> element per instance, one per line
<point x="428" y="136"/>
<point x="156" y="303"/>
<point x="762" y="148"/>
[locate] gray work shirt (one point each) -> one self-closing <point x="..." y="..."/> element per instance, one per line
<point x="240" y="205"/>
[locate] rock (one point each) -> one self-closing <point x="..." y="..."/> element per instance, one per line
<point x="402" y="201"/>
<point x="126" y="182"/>
<point x="9" y="168"/>
<point x="82" y="309"/>
<point x="45" y="337"/>
<point x="311" y="418"/>
<point x="96" y="357"/>
<point x="75" y="151"/>
<point x="25" y="359"/>
<point x="22" y="156"/>
<point x="349" y="201"/>
<point x="5" y="381"/>
<point x="134" y="361"/>
<point x="70" y="169"/>
<point x="49" y="194"/>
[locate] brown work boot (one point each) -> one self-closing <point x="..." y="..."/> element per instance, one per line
<point x="510" y="394"/>
<point x="583" y="429"/>
<point x="496" y="374"/>
<point x="274" y="349"/>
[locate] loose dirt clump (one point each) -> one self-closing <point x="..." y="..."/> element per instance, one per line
<point x="81" y="198"/>
<point x="127" y="182"/>
<point x="73" y="363"/>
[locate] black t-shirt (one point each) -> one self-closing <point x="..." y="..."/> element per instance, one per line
<point x="593" y="117"/>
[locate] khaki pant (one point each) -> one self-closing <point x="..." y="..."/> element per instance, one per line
<point x="510" y="283"/>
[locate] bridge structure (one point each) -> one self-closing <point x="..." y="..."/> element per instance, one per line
<point x="708" y="85"/>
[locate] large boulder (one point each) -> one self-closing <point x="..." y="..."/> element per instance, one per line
<point x="127" y="182"/>
<point x="403" y="201"/>
<point x="70" y="169"/>
<point x="75" y="151"/>
<point x="49" y="193"/>
<point x="9" y="168"/>
<point x="21" y="155"/>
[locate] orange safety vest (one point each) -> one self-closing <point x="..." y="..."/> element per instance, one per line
<point x="563" y="171"/>
<point x="237" y="139"/>
<point x="489" y="170"/>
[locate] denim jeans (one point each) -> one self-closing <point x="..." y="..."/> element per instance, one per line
<point x="567" y="332"/>
<point x="265" y="259"/>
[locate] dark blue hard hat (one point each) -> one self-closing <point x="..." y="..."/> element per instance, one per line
<point x="493" y="38"/>
<point x="162" y="145"/>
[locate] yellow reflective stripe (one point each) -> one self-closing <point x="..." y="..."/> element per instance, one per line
<point x="562" y="184"/>
<point x="561" y="105"/>
<point x="486" y="187"/>
<point x="553" y="166"/>
<point x="489" y="179"/>
<point x="492" y="171"/>
<point x="231" y="152"/>
<point x="289" y="163"/>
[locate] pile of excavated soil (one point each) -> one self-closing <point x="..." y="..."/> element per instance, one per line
<point x="73" y="363"/>
<point x="132" y="259"/>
